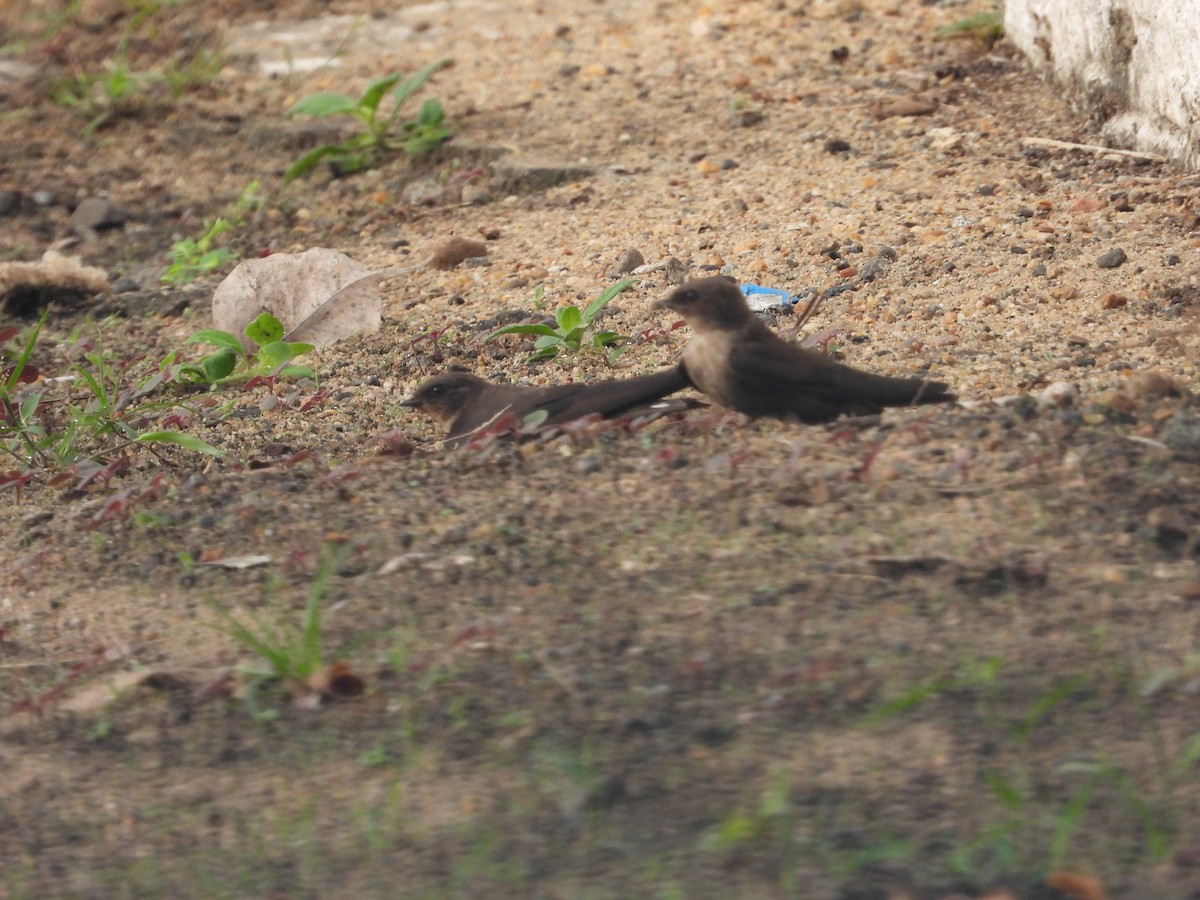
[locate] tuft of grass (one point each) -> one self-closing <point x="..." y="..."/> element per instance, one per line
<point x="103" y="414"/>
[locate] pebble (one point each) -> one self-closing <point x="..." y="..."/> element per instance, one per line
<point x="837" y="145"/>
<point x="95" y="214"/>
<point x="745" y="118"/>
<point x="1113" y="301"/>
<point x="630" y="260"/>
<point x="452" y="251"/>
<point x="1110" y="259"/>
<point x="1060" y="393"/>
<point x="476" y="193"/>
<point x="424" y="192"/>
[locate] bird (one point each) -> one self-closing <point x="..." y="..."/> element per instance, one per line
<point x="735" y="359"/>
<point x="468" y="404"/>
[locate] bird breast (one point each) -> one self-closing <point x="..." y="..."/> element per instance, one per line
<point x="706" y="359"/>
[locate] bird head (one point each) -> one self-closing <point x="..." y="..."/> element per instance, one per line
<point x="714" y="303"/>
<point x="444" y="396"/>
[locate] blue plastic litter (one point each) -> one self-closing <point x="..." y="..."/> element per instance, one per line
<point x="759" y="298"/>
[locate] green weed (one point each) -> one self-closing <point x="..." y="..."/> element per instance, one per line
<point x="424" y="132"/>
<point x="192" y="257"/>
<point x="106" y="414"/>
<point x="571" y="332"/>
<point x="231" y="362"/>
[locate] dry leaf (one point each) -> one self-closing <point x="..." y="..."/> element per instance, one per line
<point x="319" y="296"/>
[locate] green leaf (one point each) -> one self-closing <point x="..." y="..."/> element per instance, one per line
<point x="375" y="91"/>
<point x="264" y="330"/>
<point x="220" y="365"/>
<point x="296" y="372"/>
<point x="308" y="162"/>
<point x="1003" y="791"/>
<point x="415" y="81"/>
<point x="550" y="340"/>
<point x="604" y="338"/>
<point x="598" y="304"/>
<point x="192" y="374"/>
<point x="274" y="354"/>
<point x="536" y="418"/>
<point x="186" y="441"/>
<point x="522" y="329"/>
<point x="217" y="338"/>
<point x="29" y="406"/>
<point x="324" y="103"/>
<point x="568" y="318"/>
<point x="431" y="113"/>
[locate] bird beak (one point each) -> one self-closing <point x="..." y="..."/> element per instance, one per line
<point x="664" y="303"/>
<point x="412" y="402"/>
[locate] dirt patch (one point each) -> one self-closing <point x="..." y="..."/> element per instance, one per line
<point x="937" y="653"/>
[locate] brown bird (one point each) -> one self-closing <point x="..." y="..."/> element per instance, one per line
<point x="741" y="363"/>
<point x="468" y="404"/>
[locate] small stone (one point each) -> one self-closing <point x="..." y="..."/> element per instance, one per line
<point x="1113" y="301"/>
<point x="95" y="214"/>
<point x="745" y="118"/>
<point x="1172" y="259"/>
<point x="1168" y="525"/>
<point x="455" y="250"/>
<point x="1155" y="383"/>
<point x="836" y="145"/>
<point x="630" y="260"/>
<point x="1110" y="259"/>
<point x="476" y="193"/>
<point x="839" y="54"/>
<point x="704" y="167"/>
<point x="425" y="192"/>
<point x="986" y="190"/>
<point x="728" y="164"/>
<point x="1060" y="393"/>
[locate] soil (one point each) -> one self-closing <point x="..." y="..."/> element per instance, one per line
<point x="945" y="652"/>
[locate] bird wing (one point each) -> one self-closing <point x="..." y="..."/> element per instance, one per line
<point x="778" y="378"/>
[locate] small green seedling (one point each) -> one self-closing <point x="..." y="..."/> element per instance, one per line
<point x="273" y="357"/>
<point x="419" y="135"/>
<point x="986" y="27"/>
<point x="571" y="330"/>
<point x="192" y="257"/>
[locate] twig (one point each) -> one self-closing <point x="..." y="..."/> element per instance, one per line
<point x="1099" y="150"/>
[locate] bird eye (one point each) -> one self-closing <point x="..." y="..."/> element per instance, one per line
<point x="435" y="390"/>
